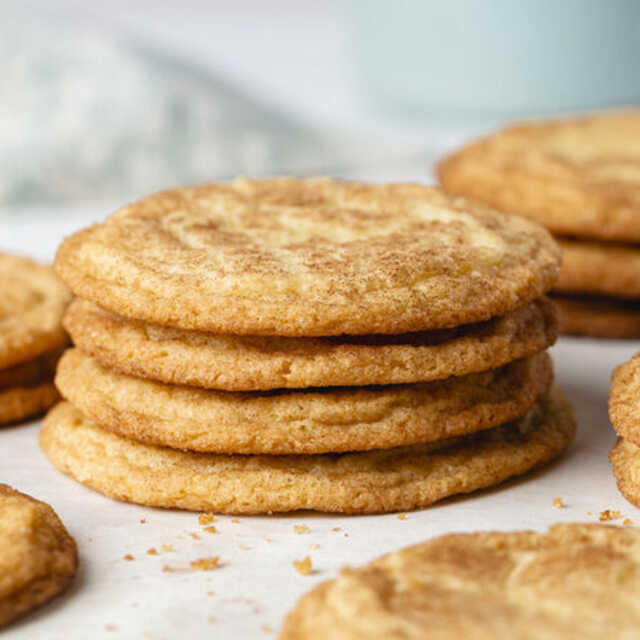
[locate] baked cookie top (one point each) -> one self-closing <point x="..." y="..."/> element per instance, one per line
<point x="32" y="301"/>
<point x="309" y="257"/>
<point x="249" y="363"/>
<point x="38" y="558"/>
<point x="624" y="399"/>
<point x="579" y="176"/>
<point x="575" y="581"/>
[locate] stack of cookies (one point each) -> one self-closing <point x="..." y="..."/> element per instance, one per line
<point x="624" y="412"/>
<point x="32" y="302"/>
<point x="581" y="179"/>
<point x="288" y="344"/>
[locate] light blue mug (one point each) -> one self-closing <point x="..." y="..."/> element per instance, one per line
<point x="498" y="58"/>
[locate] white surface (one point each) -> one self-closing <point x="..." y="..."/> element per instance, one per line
<point x="114" y="598"/>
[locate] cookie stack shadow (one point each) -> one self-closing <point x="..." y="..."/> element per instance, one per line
<point x="293" y="392"/>
<point x="579" y="177"/>
<point x="31" y="336"/>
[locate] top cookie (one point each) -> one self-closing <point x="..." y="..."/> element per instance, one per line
<point x="313" y="257"/>
<point x="578" y="581"/>
<point x="577" y="177"/>
<point x="32" y="301"/>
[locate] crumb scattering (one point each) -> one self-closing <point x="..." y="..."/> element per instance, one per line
<point x="316" y="546"/>
<point x="206" y="518"/>
<point x="335" y="529"/>
<point x="235" y="521"/>
<point x="166" y="547"/>
<point x="627" y="521"/>
<point x="244" y="547"/>
<point x="300" y="528"/>
<point x="143" y="521"/>
<point x="110" y="627"/>
<point x="303" y="567"/>
<point x="608" y="514"/>
<point x="152" y="552"/>
<point x="266" y="628"/>
<point x="402" y="516"/>
<point x="205" y="564"/>
<point x="211" y="530"/>
<point x="194" y="535"/>
<point x="129" y="557"/>
<point x="210" y="593"/>
<point x="558" y="503"/>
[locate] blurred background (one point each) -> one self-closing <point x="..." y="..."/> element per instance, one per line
<point x="101" y="103"/>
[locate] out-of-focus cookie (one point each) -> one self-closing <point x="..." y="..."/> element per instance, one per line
<point x="575" y="581"/>
<point x="30" y="372"/>
<point x="19" y="403"/>
<point x="624" y="399"/>
<point x="32" y="302"/>
<point x="599" y="268"/>
<point x="302" y="421"/>
<point x="314" y="257"/>
<point x="578" y="177"/>
<point x="599" y="317"/>
<point x="625" y="462"/>
<point x="370" y="482"/>
<point x="38" y="557"/>
<point x="247" y="363"/>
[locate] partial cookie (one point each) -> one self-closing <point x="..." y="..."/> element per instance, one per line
<point x="575" y="581"/>
<point x="625" y="461"/>
<point x="599" y="268"/>
<point x="313" y="257"/>
<point x="303" y="421"/>
<point x="372" y="482"/>
<point x="624" y="399"/>
<point x="30" y="372"/>
<point x="599" y="317"/>
<point x="578" y="177"/>
<point x="38" y="557"/>
<point x="32" y="302"/>
<point x="19" y="403"/>
<point x="247" y="363"/>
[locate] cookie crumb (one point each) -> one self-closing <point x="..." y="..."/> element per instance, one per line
<point x="267" y="539"/>
<point x="210" y="593"/>
<point x="402" y="516"/>
<point x="558" y="503"/>
<point x="128" y="557"/>
<point x="152" y="552"/>
<point x="205" y="564"/>
<point x="235" y="521"/>
<point x="194" y="535"/>
<point x="316" y="546"/>
<point x="110" y="627"/>
<point x="244" y="547"/>
<point x="211" y="529"/>
<point x="266" y="628"/>
<point x="166" y="547"/>
<point x="335" y="529"/>
<point x="300" y="528"/>
<point x="627" y="521"/>
<point x="303" y="567"/>
<point x="607" y="515"/>
<point x="206" y="518"/>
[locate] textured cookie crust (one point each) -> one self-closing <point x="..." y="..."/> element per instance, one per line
<point x="625" y="461"/>
<point x="32" y="302"/>
<point x="373" y="482"/>
<point x="19" y="403"/>
<point x="599" y="317"/>
<point x="38" y="557"/>
<point x="314" y="421"/>
<point x="577" y="177"/>
<point x="313" y="257"/>
<point x="247" y="363"/>
<point x="624" y="399"/>
<point x="575" y="581"/>
<point x="599" y="268"/>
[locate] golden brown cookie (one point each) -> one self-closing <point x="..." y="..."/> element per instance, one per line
<point x="624" y="399"/>
<point x="578" y="177"/>
<point x="38" y="557"/>
<point x="625" y="461"/>
<point x="599" y="317"/>
<point x="313" y="257"/>
<point x="32" y="302"/>
<point x="576" y="581"/>
<point x="246" y="363"/>
<point x="372" y="482"/>
<point x="333" y="419"/>
<point x="30" y="372"/>
<point x="599" y="268"/>
<point x="19" y="403"/>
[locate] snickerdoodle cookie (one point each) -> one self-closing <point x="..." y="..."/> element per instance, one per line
<point x="314" y="257"/>
<point x="368" y="482"/>
<point x="574" y="581"/>
<point x="247" y="363"/>
<point x="38" y="557"/>
<point x="598" y="317"/>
